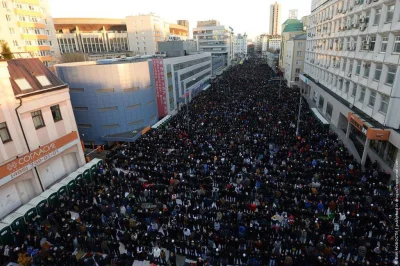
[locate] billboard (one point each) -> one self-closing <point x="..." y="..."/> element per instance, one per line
<point x="159" y="79"/>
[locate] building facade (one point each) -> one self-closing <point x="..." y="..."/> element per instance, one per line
<point x="296" y="48"/>
<point x="179" y="79"/>
<point x="111" y="99"/>
<point x="240" y="45"/>
<point x="275" y="19"/>
<point x="274" y="43"/>
<point x="291" y="28"/>
<point x="178" y="31"/>
<point x="293" y="13"/>
<point x="215" y="39"/>
<point x="145" y="31"/>
<point x="28" y="29"/>
<point x="352" y="72"/>
<point x="97" y="38"/>
<point x="39" y="143"/>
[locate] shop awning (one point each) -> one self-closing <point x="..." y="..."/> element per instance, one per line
<point x="319" y="116"/>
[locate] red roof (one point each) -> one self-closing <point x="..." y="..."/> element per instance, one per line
<point x="30" y="69"/>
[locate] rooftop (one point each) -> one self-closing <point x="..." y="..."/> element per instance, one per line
<point x="300" y="37"/>
<point x="293" y="27"/>
<point x="30" y="76"/>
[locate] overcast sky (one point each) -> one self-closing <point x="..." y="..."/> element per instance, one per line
<point x="251" y="16"/>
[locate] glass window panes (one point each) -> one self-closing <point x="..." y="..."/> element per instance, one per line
<point x="354" y="91"/>
<point x="358" y="69"/>
<point x="397" y="45"/>
<point x="372" y="98"/>
<point x="378" y="72"/>
<point x="384" y="104"/>
<point x="23" y="84"/>
<point x="384" y="44"/>
<point x="4" y="133"/>
<point x="390" y="13"/>
<point x="390" y="75"/>
<point x="377" y="16"/>
<point x="366" y="70"/>
<point x="44" y="81"/>
<point x="37" y="119"/>
<point x="56" y="113"/>
<point x="362" y="95"/>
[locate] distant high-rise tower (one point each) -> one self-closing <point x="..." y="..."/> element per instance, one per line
<point x="275" y="19"/>
<point x="184" y="23"/>
<point x="293" y="13"/>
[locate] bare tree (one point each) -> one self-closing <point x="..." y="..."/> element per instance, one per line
<point x="6" y="51"/>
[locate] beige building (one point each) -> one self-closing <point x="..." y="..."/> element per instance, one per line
<point x="275" y="19"/>
<point x="296" y="48"/>
<point x="291" y="28"/>
<point x="27" y="27"/>
<point x="39" y="143"/>
<point x="144" y="31"/>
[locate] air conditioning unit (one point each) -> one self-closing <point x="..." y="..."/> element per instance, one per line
<point x="349" y="74"/>
<point x="357" y="2"/>
<point x="317" y="81"/>
<point x="334" y="65"/>
<point x="362" y="19"/>
<point x="363" y="27"/>
<point x="355" y="25"/>
<point x="368" y="2"/>
<point x="340" y="80"/>
<point x="327" y="66"/>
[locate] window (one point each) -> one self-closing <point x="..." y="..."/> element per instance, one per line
<point x="384" y="104"/>
<point x="372" y="98"/>
<point x="389" y="14"/>
<point x="15" y="43"/>
<point x="397" y="45"/>
<point x="362" y="95"/>
<point x="296" y="78"/>
<point x="56" y="112"/>
<point x="321" y="102"/>
<point x="372" y="42"/>
<point x="12" y="31"/>
<point x="48" y="32"/>
<point x="4" y="133"/>
<point x="43" y="80"/>
<point x="344" y="64"/>
<point x="358" y="69"/>
<point x="84" y="125"/>
<point x="299" y="53"/>
<point x="390" y="75"/>
<point x="377" y="16"/>
<point x="378" y="72"/>
<point x="298" y="62"/>
<point x="384" y="44"/>
<point x="329" y="109"/>
<point x="297" y="70"/>
<point x="354" y="91"/>
<point x="300" y="44"/>
<point x="4" y="4"/>
<point x="8" y="17"/>
<point x="366" y="70"/>
<point x="23" y="84"/>
<point x="37" y="119"/>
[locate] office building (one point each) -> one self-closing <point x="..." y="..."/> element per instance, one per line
<point x="291" y="28"/>
<point x="296" y="47"/>
<point x="28" y="29"/>
<point x="275" y="19"/>
<point x="145" y="31"/>
<point x="179" y="79"/>
<point x="274" y="43"/>
<point x="39" y="143"/>
<point x="92" y="38"/>
<point x="352" y="74"/>
<point x="113" y="100"/>
<point x="240" y="48"/>
<point x="215" y="39"/>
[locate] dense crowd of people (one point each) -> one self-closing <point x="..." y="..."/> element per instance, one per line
<point x="228" y="182"/>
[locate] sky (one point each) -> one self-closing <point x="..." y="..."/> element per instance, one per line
<point x="250" y="16"/>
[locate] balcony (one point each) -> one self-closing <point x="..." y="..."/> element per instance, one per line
<point x="25" y="24"/>
<point x="25" y="12"/>
<point x="35" y="48"/>
<point x="33" y="36"/>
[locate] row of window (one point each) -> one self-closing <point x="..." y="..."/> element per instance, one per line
<point x="190" y="63"/>
<point x="366" y="43"/>
<point x="366" y="66"/>
<point x="37" y="119"/>
<point x="133" y="123"/>
<point x="194" y="71"/>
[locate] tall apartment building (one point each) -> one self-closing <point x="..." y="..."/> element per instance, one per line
<point x="296" y="47"/>
<point x="96" y="37"/>
<point x="27" y="27"/>
<point x="293" y="13"/>
<point x="216" y="39"/>
<point x="39" y="143"/>
<point x="352" y="73"/>
<point x="240" y="44"/>
<point x="275" y="19"/>
<point x="144" y="31"/>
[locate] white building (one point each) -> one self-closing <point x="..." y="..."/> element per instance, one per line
<point x="275" y="19"/>
<point x="39" y="143"/>
<point x="27" y="27"/>
<point x="181" y="79"/>
<point x="215" y="39"/>
<point x="274" y="43"/>
<point x="296" y="47"/>
<point x="240" y="44"/>
<point x="144" y="31"/>
<point x="352" y="72"/>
